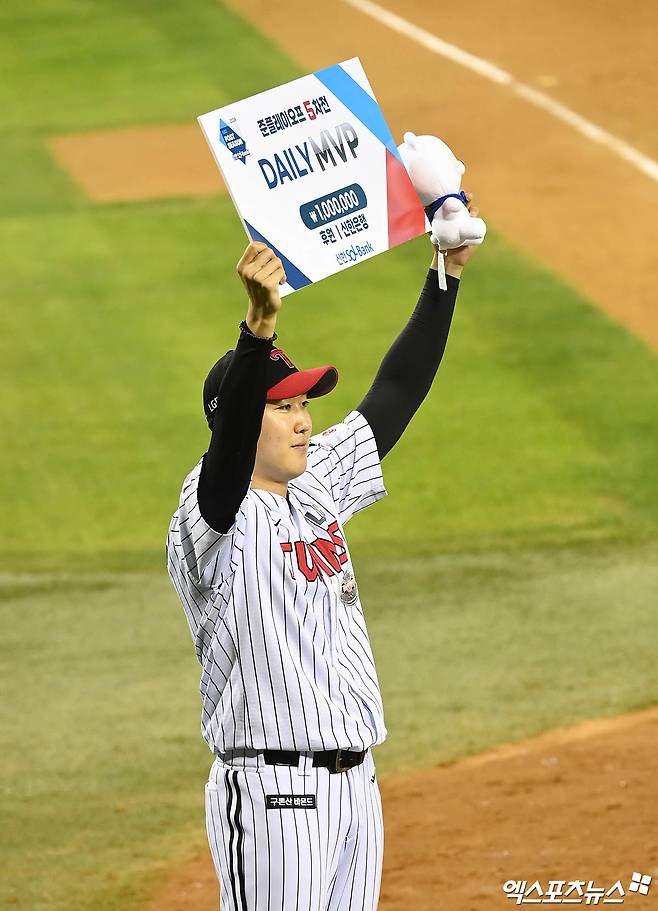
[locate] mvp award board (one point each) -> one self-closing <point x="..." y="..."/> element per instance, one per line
<point x="314" y="173"/>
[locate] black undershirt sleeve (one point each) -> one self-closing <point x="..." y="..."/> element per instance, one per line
<point x="402" y="382"/>
<point x="229" y="462"/>
<point x="408" y="368"/>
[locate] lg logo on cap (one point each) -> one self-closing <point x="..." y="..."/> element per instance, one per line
<point x="277" y="355"/>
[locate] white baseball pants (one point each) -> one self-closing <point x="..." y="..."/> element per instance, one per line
<point x="294" y="838"/>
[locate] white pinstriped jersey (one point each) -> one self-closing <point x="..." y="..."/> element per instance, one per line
<point x="274" y="610"/>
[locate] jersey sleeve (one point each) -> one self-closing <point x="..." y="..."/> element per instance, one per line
<point x="195" y="550"/>
<point x="345" y="458"/>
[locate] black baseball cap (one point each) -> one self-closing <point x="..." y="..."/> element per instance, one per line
<point x="284" y="381"/>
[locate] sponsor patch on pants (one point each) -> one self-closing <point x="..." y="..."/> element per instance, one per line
<point x="290" y="801"/>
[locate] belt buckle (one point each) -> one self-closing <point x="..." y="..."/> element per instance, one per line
<point x="339" y="767"/>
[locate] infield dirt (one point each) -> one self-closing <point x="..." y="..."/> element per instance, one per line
<point x="568" y="202"/>
<point x="137" y="163"/>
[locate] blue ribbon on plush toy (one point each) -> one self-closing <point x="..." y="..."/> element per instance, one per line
<point x="433" y="207"/>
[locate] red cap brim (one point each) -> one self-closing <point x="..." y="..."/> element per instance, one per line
<point x="314" y="382"/>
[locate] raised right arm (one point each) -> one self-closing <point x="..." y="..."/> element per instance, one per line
<point x="229" y="462"/>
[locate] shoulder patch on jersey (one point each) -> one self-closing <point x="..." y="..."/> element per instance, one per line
<point x="316" y="516"/>
<point x="348" y="590"/>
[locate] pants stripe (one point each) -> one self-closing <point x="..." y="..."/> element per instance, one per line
<point x="240" y="831"/>
<point x="232" y="835"/>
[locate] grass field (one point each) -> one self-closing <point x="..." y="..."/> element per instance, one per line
<point x="509" y="579"/>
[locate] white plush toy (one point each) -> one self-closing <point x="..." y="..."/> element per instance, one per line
<point x="436" y="175"/>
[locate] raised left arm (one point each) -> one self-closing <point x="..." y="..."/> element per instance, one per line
<point x="409" y="366"/>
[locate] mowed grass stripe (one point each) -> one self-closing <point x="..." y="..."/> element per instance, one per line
<point x="103" y="767"/>
<point x="95" y="64"/>
<point x="537" y="429"/>
<point x="83" y="65"/>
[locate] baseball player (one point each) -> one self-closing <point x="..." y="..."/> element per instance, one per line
<point x="257" y="552"/>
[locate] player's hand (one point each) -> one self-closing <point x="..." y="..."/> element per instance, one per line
<point x="456" y="259"/>
<point x="261" y="272"/>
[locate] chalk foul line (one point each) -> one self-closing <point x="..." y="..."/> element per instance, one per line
<point x="489" y="71"/>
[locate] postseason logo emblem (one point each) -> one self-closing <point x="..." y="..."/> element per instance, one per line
<point x="229" y="137"/>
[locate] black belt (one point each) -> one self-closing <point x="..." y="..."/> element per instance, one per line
<point x="334" y="760"/>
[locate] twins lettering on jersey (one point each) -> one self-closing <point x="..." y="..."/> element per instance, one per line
<point x="320" y="557"/>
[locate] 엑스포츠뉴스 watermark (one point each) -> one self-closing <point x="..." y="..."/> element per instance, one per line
<point x="574" y="892"/>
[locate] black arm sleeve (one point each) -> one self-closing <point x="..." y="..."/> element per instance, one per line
<point x="408" y="369"/>
<point x="229" y="462"/>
